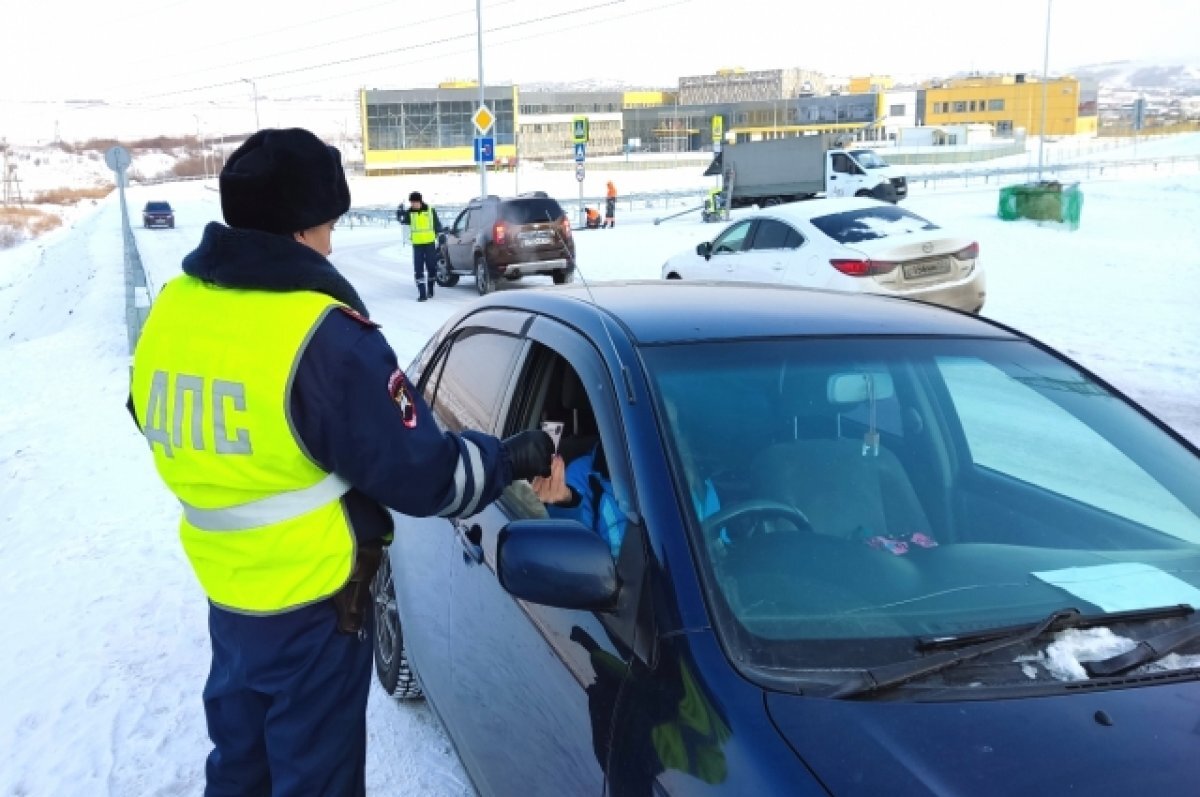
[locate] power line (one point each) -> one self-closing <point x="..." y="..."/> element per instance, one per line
<point x="491" y="45"/>
<point x="340" y="16"/>
<point x="422" y="45"/>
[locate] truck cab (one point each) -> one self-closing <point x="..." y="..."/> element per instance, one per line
<point x="861" y="172"/>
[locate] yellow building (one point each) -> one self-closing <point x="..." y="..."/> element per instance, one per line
<point x="409" y="128"/>
<point x="870" y="84"/>
<point x="1009" y="102"/>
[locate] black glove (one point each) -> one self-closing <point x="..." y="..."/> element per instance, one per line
<point x="530" y="453"/>
<point x="441" y="239"/>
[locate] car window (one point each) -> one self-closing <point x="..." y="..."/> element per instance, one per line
<point x="158" y="207"/>
<point x="733" y="239"/>
<point x="840" y="163"/>
<point x="466" y="389"/>
<point x="530" y="210"/>
<point x="772" y="234"/>
<point x="551" y="391"/>
<point x="462" y="221"/>
<point x="869" y="224"/>
<point x="1013" y="428"/>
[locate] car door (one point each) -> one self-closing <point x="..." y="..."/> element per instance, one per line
<point x="841" y="175"/>
<point x="539" y="684"/>
<point x="458" y="240"/>
<point x="462" y="386"/>
<point x="727" y="251"/>
<point x="778" y="253"/>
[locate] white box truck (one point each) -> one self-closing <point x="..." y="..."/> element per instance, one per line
<point x="788" y="169"/>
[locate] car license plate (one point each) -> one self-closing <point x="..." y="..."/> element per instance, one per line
<point x="922" y="269"/>
<point x="539" y="239"/>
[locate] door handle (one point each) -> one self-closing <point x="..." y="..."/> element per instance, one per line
<point x="471" y="540"/>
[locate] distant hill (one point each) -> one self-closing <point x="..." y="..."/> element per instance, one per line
<point x="1179" y="76"/>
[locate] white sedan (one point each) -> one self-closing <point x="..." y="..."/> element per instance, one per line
<point x="851" y="244"/>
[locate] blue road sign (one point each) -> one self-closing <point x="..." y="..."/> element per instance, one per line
<point x="485" y="149"/>
<point x="580" y="152"/>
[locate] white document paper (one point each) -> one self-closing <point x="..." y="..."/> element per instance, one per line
<point x="1124" y="586"/>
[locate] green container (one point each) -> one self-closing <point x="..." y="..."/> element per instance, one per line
<point x="1046" y="201"/>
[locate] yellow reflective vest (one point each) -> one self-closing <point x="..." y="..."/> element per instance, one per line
<point x="421" y="225"/>
<point x="263" y="524"/>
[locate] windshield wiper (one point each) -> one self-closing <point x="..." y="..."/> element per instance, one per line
<point x="1147" y="650"/>
<point x="888" y="676"/>
<point x="1084" y="621"/>
<point x="879" y="679"/>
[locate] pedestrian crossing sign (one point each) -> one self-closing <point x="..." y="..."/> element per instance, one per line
<point x="579" y="130"/>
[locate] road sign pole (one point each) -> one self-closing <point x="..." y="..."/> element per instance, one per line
<point x="482" y="98"/>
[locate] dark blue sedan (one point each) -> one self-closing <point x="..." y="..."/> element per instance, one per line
<point x="852" y="546"/>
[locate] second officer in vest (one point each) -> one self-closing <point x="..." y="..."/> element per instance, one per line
<point x="424" y="228"/>
<point x="278" y="416"/>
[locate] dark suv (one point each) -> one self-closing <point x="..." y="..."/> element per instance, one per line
<point x="158" y="214"/>
<point x="511" y="238"/>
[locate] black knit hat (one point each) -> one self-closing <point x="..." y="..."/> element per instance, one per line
<point x="415" y="196"/>
<point x="283" y="181"/>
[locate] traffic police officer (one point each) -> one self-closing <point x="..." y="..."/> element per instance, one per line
<point x="424" y="228"/>
<point x="278" y="416"/>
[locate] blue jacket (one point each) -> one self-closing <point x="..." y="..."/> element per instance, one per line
<point x="352" y="407"/>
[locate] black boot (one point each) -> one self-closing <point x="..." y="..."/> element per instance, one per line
<point x="421" y="292"/>
<point x="429" y="284"/>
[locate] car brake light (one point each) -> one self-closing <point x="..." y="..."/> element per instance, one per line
<point x="566" y="225"/>
<point x="862" y="267"/>
<point x="968" y="253"/>
<point x="499" y="233"/>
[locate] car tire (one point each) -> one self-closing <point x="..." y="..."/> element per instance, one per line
<point x="483" y="277"/>
<point x="444" y="277"/>
<point x="562" y="276"/>
<point x="771" y="202"/>
<point x="392" y="669"/>
<point x="885" y="192"/>
<point x="674" y="276"/>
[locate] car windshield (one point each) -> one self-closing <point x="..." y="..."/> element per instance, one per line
<point x="531" y="210"/>
<point x="869" y="224"/>
<point x="158" y="207"/>
<point x="848" y="496"/>
<point x="868" y="159"/>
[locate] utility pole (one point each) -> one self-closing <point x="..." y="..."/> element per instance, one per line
<point x="254" y="88"/>
<point x="1045" y="78"/>
<point x="482" y="92"/>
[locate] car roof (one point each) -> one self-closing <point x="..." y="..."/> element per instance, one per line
<point x="813" y="208"/>
<point x="672" y="311"/>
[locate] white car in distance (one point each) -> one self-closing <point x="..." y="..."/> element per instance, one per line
<point x="847" y="244"/>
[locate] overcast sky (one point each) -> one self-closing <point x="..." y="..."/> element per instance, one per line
<point x="154" y="51"/>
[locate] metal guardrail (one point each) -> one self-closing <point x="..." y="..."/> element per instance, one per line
<point x="137" y="296"/>
<point x="1056" y="171"/>
<point x="447" y="212"/>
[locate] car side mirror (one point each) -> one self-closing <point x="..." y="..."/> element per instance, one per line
<point x="704" y="250"/>
<point x="556" y="562"/>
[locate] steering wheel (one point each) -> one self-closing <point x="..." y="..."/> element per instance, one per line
<point x="757" y="506"/>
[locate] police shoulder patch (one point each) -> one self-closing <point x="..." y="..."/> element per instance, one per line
<point x="357" y="316"/>
<point x="401" y="393"/>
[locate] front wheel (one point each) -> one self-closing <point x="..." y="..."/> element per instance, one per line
<point x="443" y="276"/>
<point x="562" y="276"/>
<point x="395" y="674"/>
<point x="483" y="278"/>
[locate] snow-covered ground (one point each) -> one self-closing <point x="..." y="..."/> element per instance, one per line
<point x="104" y="626"/>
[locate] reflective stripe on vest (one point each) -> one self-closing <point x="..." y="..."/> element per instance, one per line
<point x="263" y="525"/>
<point x="266" y="511"/>
<point x="421" y="224"/>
